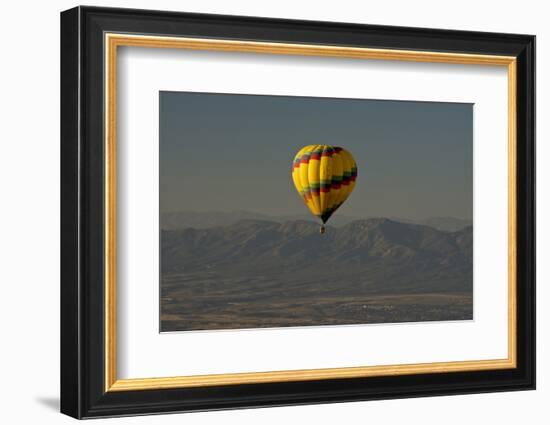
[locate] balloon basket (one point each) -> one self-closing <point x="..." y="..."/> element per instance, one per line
<point x="322" y="230"/>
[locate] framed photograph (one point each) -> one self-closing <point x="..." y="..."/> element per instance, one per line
<point x="261" y="212"/>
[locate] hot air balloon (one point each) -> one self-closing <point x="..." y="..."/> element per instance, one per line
<point x="324" y="176"/>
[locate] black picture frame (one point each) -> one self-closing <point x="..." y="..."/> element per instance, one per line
<point x="83" y="392"/>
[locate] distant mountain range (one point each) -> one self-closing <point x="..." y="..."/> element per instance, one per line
<point x="381" y="254"/>
<point x="261" y="273"/>
<point x="202" y="220"/>
<point x="446" y="224"/>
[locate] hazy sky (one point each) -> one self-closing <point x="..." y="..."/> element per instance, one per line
<point x="224" y="152"/>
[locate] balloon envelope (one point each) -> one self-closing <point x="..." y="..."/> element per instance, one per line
<point x="324" y="176"/>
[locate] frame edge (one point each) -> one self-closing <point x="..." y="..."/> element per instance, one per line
<point x="70" y="349"/>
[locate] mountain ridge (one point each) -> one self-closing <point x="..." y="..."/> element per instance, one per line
<point x="183" y="219"/>
<point x="297" y="246"/>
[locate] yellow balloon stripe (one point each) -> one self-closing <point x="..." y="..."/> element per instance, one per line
<point x="313" y="178"/>
<point x="337" y="174"/>
<point x="324" y="176"/>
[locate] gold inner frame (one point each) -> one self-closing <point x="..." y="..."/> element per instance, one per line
<point x="113" y="41"/>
